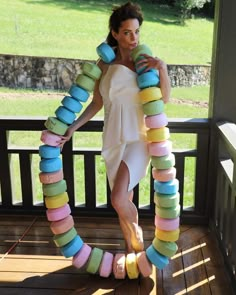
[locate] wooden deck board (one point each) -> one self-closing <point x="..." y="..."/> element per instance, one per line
<point x="30" y="263"/>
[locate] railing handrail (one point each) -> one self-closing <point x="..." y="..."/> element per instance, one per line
<point x="37" y="123"/>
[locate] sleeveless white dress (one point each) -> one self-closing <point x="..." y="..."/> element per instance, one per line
<point x="124" y="131"/>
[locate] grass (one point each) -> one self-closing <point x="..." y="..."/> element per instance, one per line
<point x="73" y="29"/>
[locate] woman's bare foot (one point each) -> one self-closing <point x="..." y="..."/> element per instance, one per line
<point x="137" y="237"/>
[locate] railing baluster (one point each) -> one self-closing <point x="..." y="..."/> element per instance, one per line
<point x="68" y="169"/>
<point x="90" y="183"/>
<point x="201" y="172"/>
<point x="5" y="176"/>
<point x="26" y="179"/>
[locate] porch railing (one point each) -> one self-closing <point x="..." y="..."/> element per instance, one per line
<point x="225" y="204"/>
<point x="27" y="176"/>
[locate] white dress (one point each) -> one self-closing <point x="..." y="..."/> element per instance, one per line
<point x="124" y="130"/>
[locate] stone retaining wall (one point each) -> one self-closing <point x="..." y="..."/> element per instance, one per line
<point x="59" y="73"/>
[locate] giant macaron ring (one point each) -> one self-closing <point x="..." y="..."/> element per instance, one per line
<point x="166" y="186"/>
<point x="56" y="199"/>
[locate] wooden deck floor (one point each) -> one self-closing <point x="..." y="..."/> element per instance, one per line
<point x="31" y="264"/>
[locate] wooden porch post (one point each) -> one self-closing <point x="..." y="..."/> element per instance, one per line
<point x="222" y="104"/>
<point x="223" y="75"/>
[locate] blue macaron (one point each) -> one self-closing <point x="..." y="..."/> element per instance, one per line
<point x="79" y="93"/>
<point x="148" y="79"/>
<point x="50" y="165"/>
<point x="64" y="115"/>
<point x="72" y="247"/>
<point x="157" y="259"/>
<point x="168" y="187"/>
<point x="49" y="152"/>
<point x="106" y="52"/>
<point x="72" y="104"/>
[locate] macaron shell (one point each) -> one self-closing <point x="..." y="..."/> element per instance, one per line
<point x="63" y="239"/>
<point x="57" y="201"/>
<point x="158" y="134"/>
<point x="168" y="212"/>
<point x="148" y="79"/>
<point x="144" y="265"/>
<point x="139" y="68"/>
<point x="64" y="115"/>
<point x="50" y="165"/>
<point x="82" y="256"/>
<point x="167" y="223"/>
<point x="106" y="52"/>
<point x="164" y="162"/>
<point x="56" y="126"/>
<point x="168" y="188"/>
<point x="157" y="259"/>
<point x="51" y="177"/>
<point x="164" y="175"/>
<point x="159" y="149"/>
<point x="131" y="266"/>
<point x="85" y="82"/>
<point x="72" y="247"/>
<point x="95" y="259"/>
<point x="149" y="94"/>
<point x="50" y="138"/>
<point x="48" y="152"/>
<point x="79" y="93"/>
<point x="153" y="107"/>
<point x="168" y="236"/>
<point x="91" y="70"/>
<point x="54" y="189"/>
<point x="105" y="268"/>
<point x="140" y="49"/>
<point x="72" y="104"/>
<point x="166" y="201"/>
<point x="156" y="121"/>
<point x="119" y="268"/>
<point x="62" y="226"/>
<point x="58" y="213"/>
<point x="168" y="249"/>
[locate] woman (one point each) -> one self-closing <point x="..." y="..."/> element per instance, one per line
<point x="124" y="147"/>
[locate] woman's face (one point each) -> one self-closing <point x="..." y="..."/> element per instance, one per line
<point x="128" y="34"/>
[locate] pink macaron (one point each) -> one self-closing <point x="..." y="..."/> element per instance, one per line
<point x="58" y="213"/>
<point x="50" y="138"/>
<point x="80" y="259"/>
<point x="62" y="226"/>
<point x="119" y="268"/>
<point x="144" y="265"/>
<point x="160" y="149"/>
<point x="156" y="121"/>
<point x="105" y="268"/>
<point x="166" y="223"/>
<point x="164" y="175"/>
<point x="51" y="177"/>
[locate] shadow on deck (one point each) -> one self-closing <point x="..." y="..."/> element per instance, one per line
<point x="31" y="264"/>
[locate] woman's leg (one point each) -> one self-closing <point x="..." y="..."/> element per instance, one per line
<point x="121" y="200"/>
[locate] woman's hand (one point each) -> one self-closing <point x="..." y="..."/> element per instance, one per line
<point x="150" y="62"/>
<point x="65" y="138"/>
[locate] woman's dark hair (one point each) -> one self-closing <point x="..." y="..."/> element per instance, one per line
<point x="120" y="14"/>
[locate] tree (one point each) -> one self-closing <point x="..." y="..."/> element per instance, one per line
<point x="185" y="7"/>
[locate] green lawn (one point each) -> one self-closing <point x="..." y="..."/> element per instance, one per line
<point x="73" y="29"/>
